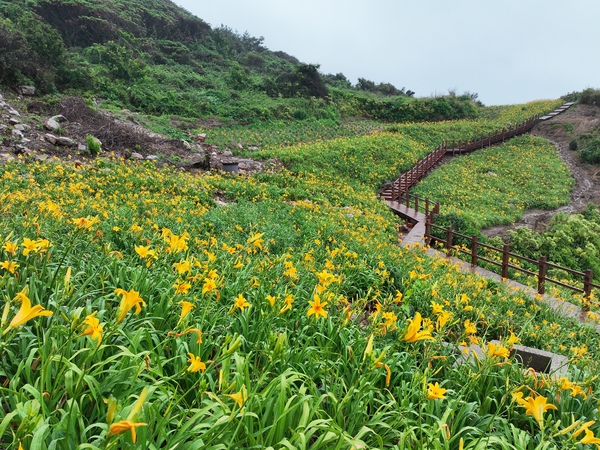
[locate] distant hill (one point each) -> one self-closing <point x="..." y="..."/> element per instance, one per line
<point x="155" y="57"/>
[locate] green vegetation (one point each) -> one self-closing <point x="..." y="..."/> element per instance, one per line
<point x="155" y="58"/>
<point x="591" y="152"/>
<point x="589" y="96"/>
<point x="93" y="146"/>
<point x="139" y="312"/>
<point x="258" y="323"/>
<point x="496" y="185"/>
<point x="572" y="241"/>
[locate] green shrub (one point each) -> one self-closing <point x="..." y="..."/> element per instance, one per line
<point x="573" y="145"/>
<point x="93" y="145"/>
<point x="590" y="97"/>
<point x="591" y="152"/>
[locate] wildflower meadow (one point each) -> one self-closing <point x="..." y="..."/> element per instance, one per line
<point x="137" y="312"/>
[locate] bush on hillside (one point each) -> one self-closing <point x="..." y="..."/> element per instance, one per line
<point x="590" y="97"/>
<point x="591" y="152"/>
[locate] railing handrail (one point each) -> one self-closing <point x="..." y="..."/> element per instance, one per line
<point x="401" y="194"/>
<point x="505" y="264"/>
<point x="420" y="169"/>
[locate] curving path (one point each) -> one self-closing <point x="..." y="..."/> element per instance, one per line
<point x="393" y="196"/>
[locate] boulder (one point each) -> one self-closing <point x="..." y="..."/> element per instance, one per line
<point x="50" y="138"/>
<point x="186" y="144"/>
<point x="51" y="125"/>
<point x="22" y="127"/>
<point x="17" y="134"/>
<point x="152" y="158"/>
<point x="27" y="90"/>
<point x="200" y="137"/>
<point x="13" y="121"/>
<point x="14" y="112"/>
<point x="196" y="161"/>
<point x="136" y="156"/>
<point x="67" y="142"/>
<point x="81" y="148"/>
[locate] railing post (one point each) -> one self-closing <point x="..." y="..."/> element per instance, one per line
<point x="427" y="230"/>
<point x="505" y="250"/>
<point x="407" y="197"/>
<point x="417" y="202"/>
<point x="474" y="248"/>
<point x="427" y="206"/>
<point x="542" y="275"/>
<point x="448" y="240"/>
<point x="587" y="283"/>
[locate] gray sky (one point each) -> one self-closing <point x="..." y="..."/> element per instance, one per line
<point x="510" y="51"/>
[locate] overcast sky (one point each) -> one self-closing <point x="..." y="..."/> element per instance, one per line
<point x="509" y="51"/>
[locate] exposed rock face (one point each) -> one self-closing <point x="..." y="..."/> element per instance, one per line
<point x="65" y="135"/>
<point x="67" y="142"/>
<point x="27" y="90"/>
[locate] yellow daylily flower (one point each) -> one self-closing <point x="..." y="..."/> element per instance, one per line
<point x="94" y="328"/>
<point x="317" y="308"/>
<point x="512" y="340"/>
<point x="26" y="312"/>
<point x="129" y="300"/>
<point x="412" y="332"/>
<point x="10" y="266"/>
<point x="11" y="248"/>
<point x="196" y="364"/>
<point x="239" y="397"/>
<point x="537" y="407"/>
<point x="125" y="425"/>
<point x="241" y="302"/>
<point x="186" y="307"/>
<point x="434" y="391"/>
<point x="589" y="438"/>
<point x="497" y="350"/>
<point x="209" y="285"/>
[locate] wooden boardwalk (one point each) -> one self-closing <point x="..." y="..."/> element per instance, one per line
<point x="408" y="179"/>
<point x="416" y="237"/>
<point x="417" y="234"/>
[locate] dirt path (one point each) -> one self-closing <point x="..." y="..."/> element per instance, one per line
<point x="560" y="130"/>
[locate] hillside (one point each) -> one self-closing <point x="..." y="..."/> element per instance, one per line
<point x="155" y="58"/>
<point x="151" y="300"/>
<point x="149" y="306"/>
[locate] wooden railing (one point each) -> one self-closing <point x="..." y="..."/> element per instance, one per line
<point x="505" y="255"/>
<point x="418" y="172"/>
<point x="425" y="206"/>
<point x="491" y="139"/>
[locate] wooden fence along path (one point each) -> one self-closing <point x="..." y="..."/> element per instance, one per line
<point x="421" y="212"/>
<point x="420" y="170"/>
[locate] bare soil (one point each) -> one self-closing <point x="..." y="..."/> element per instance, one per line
<point x="560" y="131"/>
